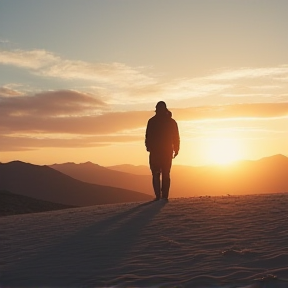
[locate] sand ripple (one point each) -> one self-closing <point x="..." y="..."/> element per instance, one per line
<point x="207" y="242"/>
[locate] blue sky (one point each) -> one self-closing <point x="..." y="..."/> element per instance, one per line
<point x="221" y="66"/>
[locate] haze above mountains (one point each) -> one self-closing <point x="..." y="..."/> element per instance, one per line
<point x="90" y="184"/>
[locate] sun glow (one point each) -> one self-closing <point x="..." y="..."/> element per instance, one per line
<point x="223" y="151"/>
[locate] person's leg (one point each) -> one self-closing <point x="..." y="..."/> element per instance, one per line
<point x="166" y="167"/>
<point x="155" y="169"/>
<point x="156" y="184"/>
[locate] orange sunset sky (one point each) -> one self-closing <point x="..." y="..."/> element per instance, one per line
<point x="80" y="79"/>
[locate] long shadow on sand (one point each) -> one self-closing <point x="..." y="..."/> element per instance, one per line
<point x="85" y="258"/>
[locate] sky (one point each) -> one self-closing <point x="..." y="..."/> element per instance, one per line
<point x="80" y="79"/>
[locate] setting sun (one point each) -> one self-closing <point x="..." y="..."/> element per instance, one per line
<point x="223" y="151"/>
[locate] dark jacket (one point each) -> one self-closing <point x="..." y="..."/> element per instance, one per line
<point x="162" y="135"/>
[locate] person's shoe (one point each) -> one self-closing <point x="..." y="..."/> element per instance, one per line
<point x="165" y="199"/>
<point x="157" y="198"/>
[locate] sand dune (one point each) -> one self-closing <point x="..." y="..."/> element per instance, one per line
<point x="236" y="241"/>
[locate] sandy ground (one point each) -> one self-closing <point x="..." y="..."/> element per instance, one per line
<point x="231" y="241"/>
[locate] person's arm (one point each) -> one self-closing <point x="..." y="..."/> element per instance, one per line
<point x="148" y="137"/>
<point x="175" y="138"/>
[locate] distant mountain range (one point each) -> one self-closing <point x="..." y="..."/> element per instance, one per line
<point x="45" y="183"/>
<point x="95" y="174"/>
<point x="132" y="169"/>
<point x="11" y="204"/>
<point x="267" y="175"/>
<point x="90" y="184"/>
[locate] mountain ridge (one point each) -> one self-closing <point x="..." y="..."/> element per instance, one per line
<point x="45" y="183"/>
<point x="96" y="174"/>
<point x="266" y="175"/>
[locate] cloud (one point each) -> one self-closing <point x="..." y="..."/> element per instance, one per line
<point x="64" y="111"/>
<point x="253" y="83"/>
<point x="109" y="114"/>
<point x="248" y="73"/>
<point x="72" y="112"/>
<point x="33" y="142"/>
<point x="4" y="41"/>
<point x="115" y="74"/>
<point x="249" y="110"/>
<point x="53" y="103"/>
<point x="7" y="92"/>
<point x="121" y="83"/>
<point x="126" y="88"/>
<point x="34" y="59"/>
<point x="72" y="119"/>
<point x="44" y="63"/>
<point x="95" y="125"/>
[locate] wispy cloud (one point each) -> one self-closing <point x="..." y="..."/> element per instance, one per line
<point x="48" y="64"/>
<point x="35" y="59"/>
<point x="248" y="73"/>
<point x="8" y="92"/>
<point x="249" y="110"/>
<point x="120" y="83"/>
<point x="4" y="41"/>
<point x="32" y="142"/>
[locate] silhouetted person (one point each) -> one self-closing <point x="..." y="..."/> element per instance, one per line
<point x="162" y="141"/>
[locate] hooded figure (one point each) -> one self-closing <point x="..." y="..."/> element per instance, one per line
<point x="162" y="141"/>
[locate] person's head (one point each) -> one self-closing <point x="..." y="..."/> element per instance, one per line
<point x="161" y="107"/>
